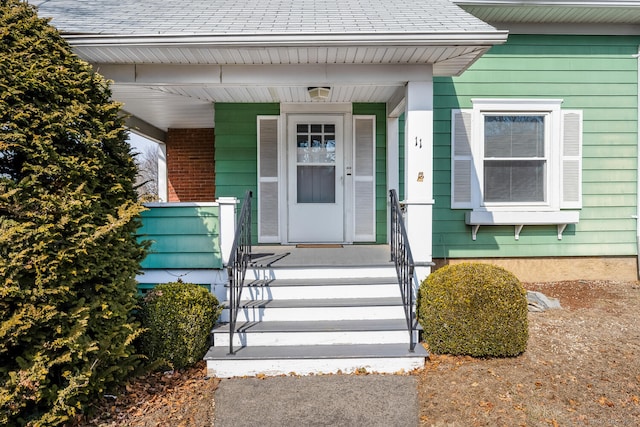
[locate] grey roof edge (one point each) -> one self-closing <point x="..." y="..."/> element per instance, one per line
<point x="559" y="3"/>
<point x="470" y="38"/>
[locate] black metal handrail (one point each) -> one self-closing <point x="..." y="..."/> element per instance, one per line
<point x="401" y="256"/>
<point x="237" y="264"/>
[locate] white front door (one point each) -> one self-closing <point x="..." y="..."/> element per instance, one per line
<point x="315" y="178"/>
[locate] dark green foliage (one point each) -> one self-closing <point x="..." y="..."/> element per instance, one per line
<point x="178" y="318"/>
<point x="474" y="309"/>
<point x="68" y="214"/>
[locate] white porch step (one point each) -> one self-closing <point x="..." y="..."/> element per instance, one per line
<point x="320" y="288"/>
<point x="320" y="272"/>
<point x="296" y="316"/>
<point x="380" y="331"/>
<point x="319" y="309"/>
<point x="303" y="360"/>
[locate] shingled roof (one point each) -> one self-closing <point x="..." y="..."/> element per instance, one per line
<point x="268" y="17"/>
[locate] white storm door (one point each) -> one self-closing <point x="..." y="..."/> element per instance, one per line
<point x="316" y="200"/>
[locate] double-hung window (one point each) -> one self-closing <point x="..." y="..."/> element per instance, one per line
<point x="515" y="159"/>
<point x="518" y="159"/>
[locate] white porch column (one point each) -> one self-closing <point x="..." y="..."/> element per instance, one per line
<point x="163" y="181"/>
<point x="227" y="225"/>
<point x="393" y="167"/>
<point x="419" y="173"/>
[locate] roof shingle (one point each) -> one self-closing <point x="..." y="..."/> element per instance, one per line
<point x="256" y="17"/>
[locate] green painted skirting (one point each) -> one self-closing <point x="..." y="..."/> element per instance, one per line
<point x="183" y="237"/>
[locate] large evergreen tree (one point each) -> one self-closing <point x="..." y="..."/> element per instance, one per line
<point x="68" y="218"/>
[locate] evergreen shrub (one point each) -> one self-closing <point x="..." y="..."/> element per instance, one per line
<point x="178" y="318"/>
<point x="68" y="218"/>
<point x="474" y="309"/>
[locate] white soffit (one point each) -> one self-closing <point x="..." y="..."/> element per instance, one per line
<point x="447" y="59"/>
<point x="164" y="109"/>
<point x="554" y="12"/>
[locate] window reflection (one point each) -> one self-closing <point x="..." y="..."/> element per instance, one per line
<point x="316" y="157"/>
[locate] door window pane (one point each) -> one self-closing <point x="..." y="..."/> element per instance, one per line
<point x="316" y="184"/>
<point x="316" y="158"/>
<point x="316" y="143"/>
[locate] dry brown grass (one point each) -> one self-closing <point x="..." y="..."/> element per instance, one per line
<point x="581" y="368"/>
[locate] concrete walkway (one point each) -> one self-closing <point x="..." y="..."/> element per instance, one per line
<point x="327" y="400"/>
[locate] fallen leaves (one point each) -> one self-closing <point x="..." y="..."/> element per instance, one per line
<point x="606" y="402"/>
<point x="172" y="398"/>
<point x="487" y="406"/>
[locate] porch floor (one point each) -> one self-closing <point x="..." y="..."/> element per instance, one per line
<point x="291" y="256"/>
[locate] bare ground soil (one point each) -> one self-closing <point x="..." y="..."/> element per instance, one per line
<point x="581" y="368"/>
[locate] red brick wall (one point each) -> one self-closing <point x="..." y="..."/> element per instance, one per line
<point x="190" y="165"/>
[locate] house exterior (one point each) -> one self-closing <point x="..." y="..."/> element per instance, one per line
<point x="509" y="129"/>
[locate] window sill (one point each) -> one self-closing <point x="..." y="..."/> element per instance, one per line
<point x="519" y="219"/>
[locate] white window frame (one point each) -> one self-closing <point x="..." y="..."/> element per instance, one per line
<point x="563" y="153"/>
<point x="548" y="108"/>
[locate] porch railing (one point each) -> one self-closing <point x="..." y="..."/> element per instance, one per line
<point x="401" y="256"/>
<point x="237" y="264"/>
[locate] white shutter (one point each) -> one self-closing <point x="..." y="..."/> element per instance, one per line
<point x="364" y="178"/>
<point x="461" y="159"/>
<point x="571" y="164"/>
<point x="268" y="218"/>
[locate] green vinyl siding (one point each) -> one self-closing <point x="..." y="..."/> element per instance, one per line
<point x="379" y="110"/>
<point x="595" y="74"/>
<point x="236" y="156"/>
<point x="184" y="237"/>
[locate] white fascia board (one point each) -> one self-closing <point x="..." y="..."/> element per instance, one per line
<point x="294" y="74"/>
<point x="320" y="74"/>
<point x="572" y="3"/>
<point x="570" y="29"/>
<point x="470" y="38"/>
<point x="160" y="73"/>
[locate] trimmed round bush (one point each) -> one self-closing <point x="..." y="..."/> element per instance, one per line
<point x="474" y="309"/>
<point x="178" y="318"/>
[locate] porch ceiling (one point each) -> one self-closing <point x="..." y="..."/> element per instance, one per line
<point x="175" y="87"/>
<point x="175" y="106"/>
